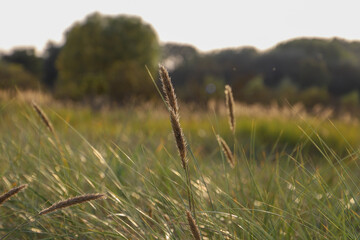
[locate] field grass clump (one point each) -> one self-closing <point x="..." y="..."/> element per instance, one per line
<point x="294" y="177"/>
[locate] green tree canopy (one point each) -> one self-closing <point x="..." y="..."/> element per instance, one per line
<point x="26" y="57"/>
<point x="50" y="73"/>
<point x="107" y="56"/>
<point x="14" y="76"/>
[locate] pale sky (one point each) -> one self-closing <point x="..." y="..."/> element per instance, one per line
<point x="207" y="25"/>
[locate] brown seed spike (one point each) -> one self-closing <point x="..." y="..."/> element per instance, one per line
<point x="171" y="101"/>
<point x="48" y="124"/>
<point x="168" y="89"/>
<point x="226" y="150"/>
<point x="43" y="117"/>
<point x="179" y="137"/>
<point x="11" y="193"/>
<point x="230" y="107"/>
<point x="71" y="201"/>
<point x="193" y="227"/>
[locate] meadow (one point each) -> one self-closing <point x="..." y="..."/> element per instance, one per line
<point x="295" y="173"/>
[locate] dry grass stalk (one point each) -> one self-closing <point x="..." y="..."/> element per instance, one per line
<point x="173" y="108"/>
<point x="230" y="107"/>
<point x="179" y="137"/>
<point x="11" y="193"/>
<point x="168" y="89"/>
<point x="171" y="101"/>
<point x="227" y="152"/>
<point x="71" y="201"/>
<point x="43" y="117"/>
<point x="193" y="227"/>
<point x="48" y="124"/>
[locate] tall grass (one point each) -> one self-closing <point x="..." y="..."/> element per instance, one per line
<point x="306" y="189"/>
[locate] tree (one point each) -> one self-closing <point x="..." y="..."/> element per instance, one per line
<point x="313" y="72"/>
<point x="105" y="56"/>
<point x="175" y="55"/>
<point x="27" y="58"/>
<point x="14" y="76"/>
<point x="50" y="72"/>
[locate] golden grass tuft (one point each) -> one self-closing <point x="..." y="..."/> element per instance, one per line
<point x="226" y="150"/>
<point x="229" y="99"/>
<point x="12" y="192"/>
<point x="193" y="227"/>
<point x="71" y="201"/>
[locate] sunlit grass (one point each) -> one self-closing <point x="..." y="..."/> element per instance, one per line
<point x="295" y="178"/>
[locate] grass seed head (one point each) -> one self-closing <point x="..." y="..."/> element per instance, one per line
<point x="227" y="152"/>
<point x="179" y="137"/>
<point x="43" y="117"/>
<point x="11" y="193"/>
<point x="230" y="107"/>
<point x="193" y="227"/>
<point x="71" y="201"/>
<point x="168" y="89"/>
<point x="171" y="101"/>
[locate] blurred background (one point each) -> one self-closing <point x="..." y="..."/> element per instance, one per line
<point x="270" y="52"/>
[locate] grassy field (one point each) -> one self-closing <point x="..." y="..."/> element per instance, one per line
<point x="296" y="174"/>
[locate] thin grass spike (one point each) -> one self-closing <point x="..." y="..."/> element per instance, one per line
<point x="179" y="137"/>
<point x="71" y="201"/>
<point x="168" y="89"/>
<point x="12" y="192"/>
<point x="43" y="117"/>
<point x="227" y="152"/>
<point x="48" y="124"/>
<point x="193" y="227"/>
<point x="230" y="107"/>
<point x="171" y="102"/>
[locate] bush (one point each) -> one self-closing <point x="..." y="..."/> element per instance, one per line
<point x="14" y="76"/>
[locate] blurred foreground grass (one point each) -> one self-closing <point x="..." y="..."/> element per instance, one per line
<point x="296" y="177"/>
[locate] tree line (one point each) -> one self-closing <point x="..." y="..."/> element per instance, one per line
<point x="312" y="71"/>
<point x="105" y="57"/>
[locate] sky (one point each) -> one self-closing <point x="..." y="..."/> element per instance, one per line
<point x="207" y="25"/>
